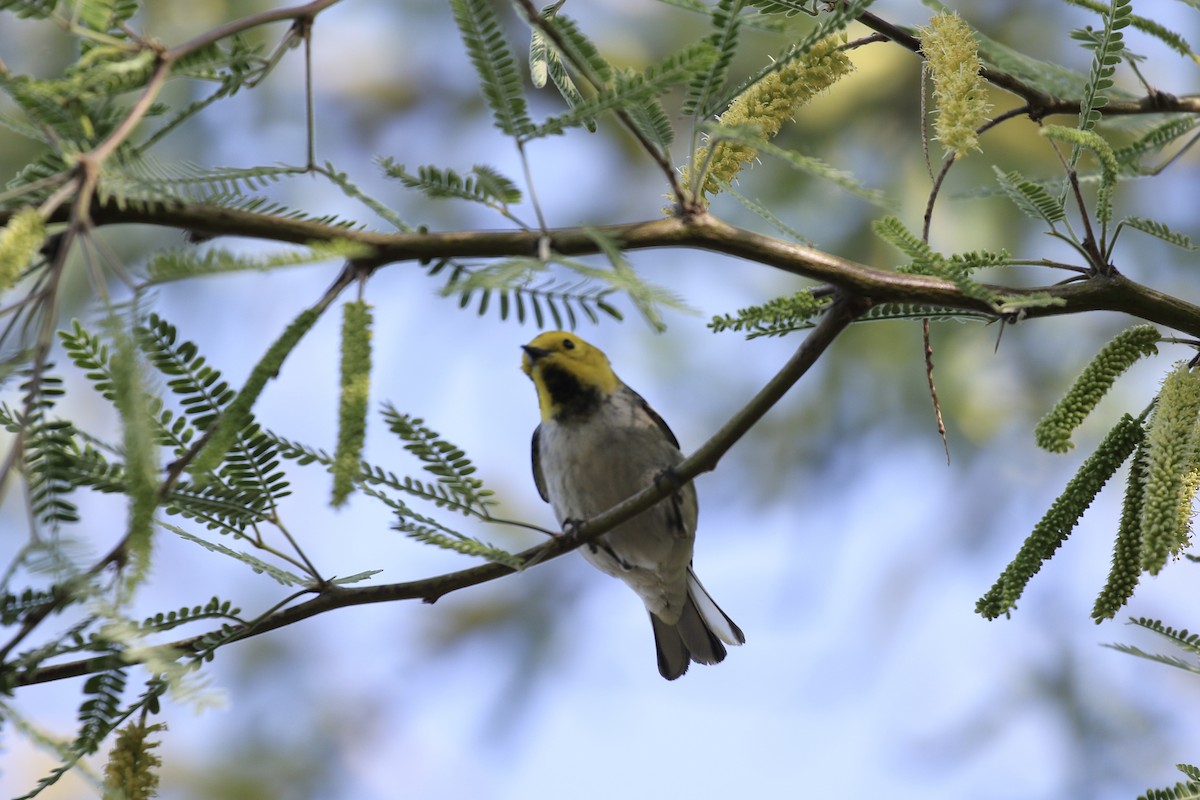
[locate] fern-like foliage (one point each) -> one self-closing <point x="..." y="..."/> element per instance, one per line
<point x="236" y="447"/>
<point x="1182" y="790"/>
<point x="485" y="185"/>
<point x="261" y="566"/>
<point x="1148" y="26"/>
<point x="577" y="50"/>
<point x="495" y="65"/>
<point x="1161" y="231"/>
<point x="450" y="540"/>
<point x="232" y="64"/>
<point x="375" y="480"/>
<point x="48" y="451"/>
<point x="894" y="232"/>
<point x="13" y="606"/>
<point x="1031" y="197"/>
<point x="455" y="488"/>
<point x="99" y="713"/>
<point x="149" y="180"/>
<point x="511" y="288"/>
<point x="1153" y="141"/>
<point x="174" y="265"/>
<point x="646" y="297"/>
<point x="650" y="119"/>
<point x="352" y="190"/>
<point x="726" y="22"/>
<point x="1108" y="48"/>
<point x="1109" y="167"/>
<point x="440" y="458"/>
<point x="630" y="90"/>
<point x="546" y="62"/>
<point x="776" y="317"/>
<point x="926" y="261"/>
<point x="243" y="488"/>
<point x="836" y="19"/>
<point x="216" y="608"/>
<point x="1182" y="639"/>
<point x="32" y="9"/>
<point x="789" y="8"/>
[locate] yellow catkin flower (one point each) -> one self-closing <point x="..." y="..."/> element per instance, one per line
<point x="19" y="241"/>
<point x="959" y="91"/>
<point x="767" y="105"/>
<point x="131" y="773"/>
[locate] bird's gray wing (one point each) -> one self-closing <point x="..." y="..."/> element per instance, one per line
<point x="538" y="478"/>
<point x="659" y="421"/>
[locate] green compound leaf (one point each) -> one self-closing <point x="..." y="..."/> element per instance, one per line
<point x="237" y="416"/>
<point x="1032" y="199"/>
<point x="494" y="63"/>
<point x="776" y="317"/>
<point x="726" y="22"/>
<point x="1161" y="231"/>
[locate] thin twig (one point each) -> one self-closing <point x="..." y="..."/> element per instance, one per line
<point x="933" y="395"/>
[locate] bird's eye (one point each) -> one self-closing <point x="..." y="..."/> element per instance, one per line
<point x="568" y="344"/>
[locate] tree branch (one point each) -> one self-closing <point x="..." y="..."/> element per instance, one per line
<point x="703" y="232"/>
<point x="1040" y="104"/>
<point x="833" y="322"/>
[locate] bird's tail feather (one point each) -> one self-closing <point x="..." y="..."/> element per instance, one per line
<point x="697" y="636"/>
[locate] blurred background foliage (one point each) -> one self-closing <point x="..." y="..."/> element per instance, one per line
<point x="834" y="533"/>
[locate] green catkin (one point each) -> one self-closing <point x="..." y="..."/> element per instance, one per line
<point x="130" y="773"/>
<point x="20" y="240"/>
<point x="1127" y="549"/>
<point x="1171" y="465"/>
<point x="237" y="415"/>
<point x="1054" y="528"/>
<point x="959" y="91"/>
<point x="356" y="386"/>
<point x="1053" y="432"/>
<point x="767" y="105"/>
<point x="132" y="398"/>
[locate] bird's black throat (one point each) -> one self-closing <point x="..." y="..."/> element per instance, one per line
<point x="569" y="396"/>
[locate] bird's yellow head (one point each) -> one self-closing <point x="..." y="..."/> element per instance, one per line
<point x="571" y="375"/>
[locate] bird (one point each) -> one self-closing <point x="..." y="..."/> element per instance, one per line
<point x="597" y="444"/>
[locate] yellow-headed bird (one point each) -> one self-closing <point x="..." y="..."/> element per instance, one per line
<point x="598" y="443"/>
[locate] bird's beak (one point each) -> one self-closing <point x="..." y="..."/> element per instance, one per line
<point x="532" y="354"/>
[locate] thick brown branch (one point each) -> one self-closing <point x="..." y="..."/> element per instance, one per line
<point x="1111" y="293"/>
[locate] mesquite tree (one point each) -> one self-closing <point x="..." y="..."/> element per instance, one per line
<point x="193" y="459"/>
